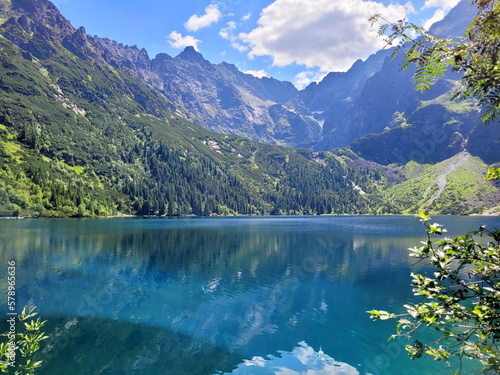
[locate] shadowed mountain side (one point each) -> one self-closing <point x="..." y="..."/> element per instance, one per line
<point x="418" y="138"/>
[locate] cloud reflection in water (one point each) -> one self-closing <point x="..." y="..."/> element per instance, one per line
<point x="302" y="360"/>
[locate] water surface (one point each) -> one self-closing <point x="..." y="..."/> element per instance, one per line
<point x="246" y="295"/>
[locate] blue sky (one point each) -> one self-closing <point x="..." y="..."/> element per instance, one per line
<point x="293" y="40"/>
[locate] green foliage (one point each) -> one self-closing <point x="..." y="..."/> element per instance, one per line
<point x="460" y="299"/>
<point x="477" y="56"/>
<point x="493" y="174"/>
<point x="19" y="353"/>
<point x="425" y="73"/>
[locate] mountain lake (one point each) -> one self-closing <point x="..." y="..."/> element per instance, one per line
<point x="228" y="295"/>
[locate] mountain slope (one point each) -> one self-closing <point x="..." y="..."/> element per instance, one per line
<point x="333" y="113"/>
<point x="454" y="186"/>
<point x="80" y="137"/>
<point x="91" y="127"/>
<point x="383" y="95"/>
<point x="223" y="99"/>
<point x="218" y="97"/>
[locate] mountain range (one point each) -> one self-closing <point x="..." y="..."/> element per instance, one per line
<point x="89" y="127"/>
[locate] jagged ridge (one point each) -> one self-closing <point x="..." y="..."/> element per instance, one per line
<point x="90" y="126"/>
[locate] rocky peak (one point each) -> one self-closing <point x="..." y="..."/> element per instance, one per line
<point x="191" y="55"/>
<point x="81" y="33"/>
<point x="43" y="11"/>
<point x="162" y="57"/>
<point x="79" y="37"/>
<point x="36" y="26"/>
<point x="79" y="44"/>
<point x="143" y="60"/>
<point x="230" y="67"/>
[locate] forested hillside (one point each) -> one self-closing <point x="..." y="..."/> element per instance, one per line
<point x="82" y="135"/>
<point x="80" y="138"/>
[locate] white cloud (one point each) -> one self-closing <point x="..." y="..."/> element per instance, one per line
<point x="303" y="79"/>
<point x="212" y="15"/>
<point x="246" y="17"/>
<point x="410" y="9"/>
<point x="227" y="33"/>
<point x="443" y="4"/>
<point x="329" y="34"/>
<point x="179" y="41"/>
<point x="239" y="46"/>
<point x="257" y="73"/>
<point x="438" y="16"/>
<point x="301" y="360"/>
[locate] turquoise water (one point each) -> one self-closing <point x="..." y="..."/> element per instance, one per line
<point x="250" y="295"/>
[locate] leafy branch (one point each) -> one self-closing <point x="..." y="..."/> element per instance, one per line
<point x="26" y="343"/>
<point x="461" y="299"/>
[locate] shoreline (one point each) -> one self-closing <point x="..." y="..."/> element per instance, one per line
<point x="130" y="216"/>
